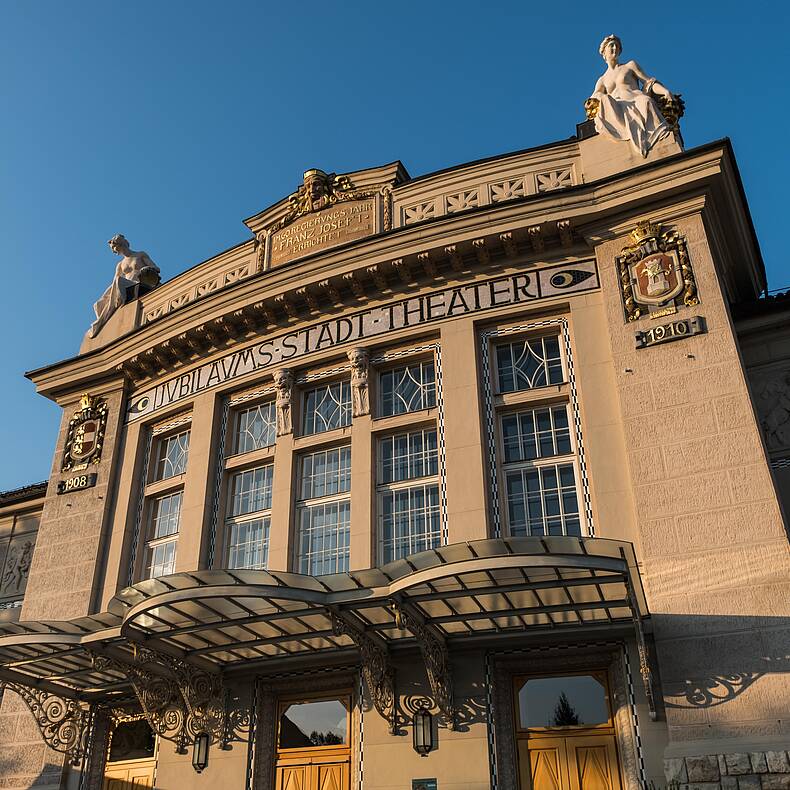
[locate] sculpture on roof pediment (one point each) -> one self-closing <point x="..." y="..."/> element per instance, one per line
<point x="627" y="105"/>
<point x="135" y="269"/>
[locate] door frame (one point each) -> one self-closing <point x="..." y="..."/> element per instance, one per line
<point x="560" y="660"/>
<point x="343" y="681"/>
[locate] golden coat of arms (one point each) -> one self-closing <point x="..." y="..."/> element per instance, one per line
<point x="655" y="273"/>
<point x="85" y="435"/>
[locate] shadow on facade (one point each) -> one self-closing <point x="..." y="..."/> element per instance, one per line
<point x="708" y="660"/>
<point x="50" y="775"/>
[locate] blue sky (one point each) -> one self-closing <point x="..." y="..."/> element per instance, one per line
<point x="172" y="121"/>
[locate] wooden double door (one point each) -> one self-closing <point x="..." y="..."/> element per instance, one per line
<point x="565" y="733"/>
<point x="129" y="775"/>
<point x="314" y="743"/>
<point x="317" y="772"/>
<point x="576" y="762"/>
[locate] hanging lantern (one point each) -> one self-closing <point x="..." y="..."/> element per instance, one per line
<point x="200" y="752"/>
<point x="422" y="724"/>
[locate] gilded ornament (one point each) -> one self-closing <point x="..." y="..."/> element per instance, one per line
<point x="655" y="272"/>
<point x="85" y="434"/>
<point x="321" y="190"/>
<point x="591" y="107"/>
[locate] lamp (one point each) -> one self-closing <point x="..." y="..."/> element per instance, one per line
<point x="423" y="732"/>
<point x="200" y="752"/>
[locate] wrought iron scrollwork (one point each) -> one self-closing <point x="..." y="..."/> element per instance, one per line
<point x="178" y="700"/>
<point x="434" y="655"/>
<point x="64" y="723"/>
<point x="376" y="667"/>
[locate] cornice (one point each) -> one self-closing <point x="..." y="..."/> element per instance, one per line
<point x="524" y="230"/>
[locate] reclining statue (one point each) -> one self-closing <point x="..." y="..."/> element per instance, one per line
<point x="134" y="269"/>
<point x="629" y="111"/>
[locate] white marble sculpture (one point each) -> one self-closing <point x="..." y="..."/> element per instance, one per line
<point x="626" y="109"/>
<point x="134" y="267"/>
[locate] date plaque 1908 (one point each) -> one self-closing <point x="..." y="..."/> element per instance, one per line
<point x="673" y="330"/>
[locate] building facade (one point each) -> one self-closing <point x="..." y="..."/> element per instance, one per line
<point x="469" y="480"/>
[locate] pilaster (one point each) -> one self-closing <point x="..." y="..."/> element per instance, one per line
<point x="465" y="450"/>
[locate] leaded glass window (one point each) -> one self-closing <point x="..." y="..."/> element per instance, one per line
<point x="256" y="427"/>
<point x="539" y="472"/>
<point x="406" y="456"/>
<point x="163" y="535"/>
<point x="409" y="517"/>
<point x="528" y="364"/>
<point x="327" y="407"/>
<point x="166" y="515"/>
<point x="324" y="511"/>
<point x="251" y="491"/>
<point x="172" y="456"/>
<point x="162" y="559"/>
<point x="249" y="518"/>
<point x="536" y="433"/>
<point x="407" y="389"/>
<point x="543" y="500"/>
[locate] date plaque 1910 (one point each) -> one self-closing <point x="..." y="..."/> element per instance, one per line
<point x="673" y="330"/>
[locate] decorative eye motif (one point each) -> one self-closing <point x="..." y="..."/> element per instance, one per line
<point x="569" y="278"/>
<point x="141" y="404"/>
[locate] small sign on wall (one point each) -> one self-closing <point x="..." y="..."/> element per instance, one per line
<point x="79" y="483"/>
<point x="674" y="330"/>
<point x="423" y="784"/>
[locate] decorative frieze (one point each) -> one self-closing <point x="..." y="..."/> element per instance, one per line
<point x="508" y="189"/>
<point x="550" y="180"/>
<point x="466" y="198"/>
<point x="165" y="301"/>
<point x="419" y="212"/>
<point x="486" y="193"/>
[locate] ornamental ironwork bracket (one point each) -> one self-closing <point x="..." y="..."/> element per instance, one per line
<point x="376" y="666"/>
<point x="434" y="654"/>
<point x="179" y="700"/>
<point x="64" y="723"/>
<point x="645" y="669"/>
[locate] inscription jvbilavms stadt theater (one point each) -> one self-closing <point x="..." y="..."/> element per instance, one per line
<point x="448" y="303"/>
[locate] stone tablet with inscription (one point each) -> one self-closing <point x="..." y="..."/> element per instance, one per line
<point x="322" y="230"/>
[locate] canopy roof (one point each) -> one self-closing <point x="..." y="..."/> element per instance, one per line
<point x="226" y="619"/>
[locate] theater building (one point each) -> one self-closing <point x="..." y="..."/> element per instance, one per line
<point x="470" y="480"/>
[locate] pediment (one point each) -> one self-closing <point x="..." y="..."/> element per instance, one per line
<point x="325" y="211"/>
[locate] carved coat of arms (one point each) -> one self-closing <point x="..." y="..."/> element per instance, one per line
<point x="655" y="273"/>
<point x="85" y="435"/>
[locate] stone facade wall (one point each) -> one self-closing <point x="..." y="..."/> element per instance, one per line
<point x="712" y="543"/>
<point x="60" y="587"/>
<point x="733" y="771"/>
